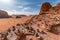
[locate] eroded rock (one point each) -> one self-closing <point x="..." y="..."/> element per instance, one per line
<point x="37" y="27"/>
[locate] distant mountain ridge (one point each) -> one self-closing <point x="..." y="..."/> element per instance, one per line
<point x="4" y="14"/>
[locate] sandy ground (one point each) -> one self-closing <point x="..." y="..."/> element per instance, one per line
<point x="53" y="36"/>
<point x="6" y="23"/>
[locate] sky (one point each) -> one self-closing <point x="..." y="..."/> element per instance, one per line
<point x="26" y="7"/>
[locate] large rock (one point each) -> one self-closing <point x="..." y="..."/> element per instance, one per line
<point x="3" y="14"/>
<point x="45" y="7"/>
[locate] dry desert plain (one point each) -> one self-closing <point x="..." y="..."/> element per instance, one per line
<point x="6" y="23"/>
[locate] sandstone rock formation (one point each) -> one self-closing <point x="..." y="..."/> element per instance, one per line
<point x="3" y="14"/>
<point x="45" y="7"/>
<point x="58" y="4"/>
<point x="38" y="27"/>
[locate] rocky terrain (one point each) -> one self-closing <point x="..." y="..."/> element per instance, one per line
<point x="45" y="26"/>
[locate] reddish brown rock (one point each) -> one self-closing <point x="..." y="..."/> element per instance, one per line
<point x="58" y="4"/>
<point x="45" y="26"/>
<point x="45" y="7"/>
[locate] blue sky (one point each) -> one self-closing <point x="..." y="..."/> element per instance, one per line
<point x="28" y="7"/>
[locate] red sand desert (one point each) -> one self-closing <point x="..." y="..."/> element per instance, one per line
<point x="45" y="26"/>
<point x="6" y="23"/>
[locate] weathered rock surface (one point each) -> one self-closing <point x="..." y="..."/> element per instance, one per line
<point x="45" y="26"/>
<point x="3" y="14"/>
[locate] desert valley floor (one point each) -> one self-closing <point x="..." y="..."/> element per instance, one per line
<point x="6" y="23"/>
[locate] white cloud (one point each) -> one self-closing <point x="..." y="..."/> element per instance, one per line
<point x="22" y="13"/>
<point x="24" y="3"/>
<point x="19" y="6"/>
<point x="26" y="9"/>
<point x="6" y="2"/>
<point x="14" y="10"/>
<point x="23" y="8"/>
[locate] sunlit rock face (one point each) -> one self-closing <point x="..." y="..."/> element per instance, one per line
<point x="45" y="7"/>
<point x="45" y="26"/>
<point x="58" y="4"/>
<point x="3" y="14"/>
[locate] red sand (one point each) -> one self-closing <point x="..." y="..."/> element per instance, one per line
<point x="6" y="23"/>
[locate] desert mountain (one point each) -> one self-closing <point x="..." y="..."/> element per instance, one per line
<point x="45" y="26"/>
<point x="3" y="14"/>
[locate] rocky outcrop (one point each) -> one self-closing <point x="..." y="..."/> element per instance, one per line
<point x="38" y="27"/>
<point x="45" y="7"/>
